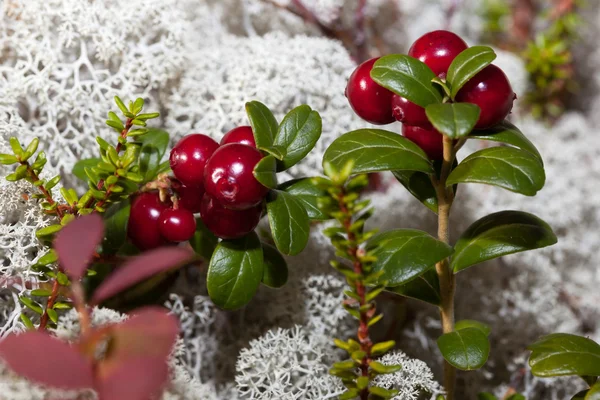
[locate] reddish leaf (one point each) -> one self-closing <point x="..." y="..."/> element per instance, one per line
<point x="140" y="268"/>
<point x="76" y="243"/>
<point x="136" y="379"/>
<point x="44" y="359"/>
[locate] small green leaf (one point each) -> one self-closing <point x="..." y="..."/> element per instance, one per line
<point x="509" y="168"/>
<point x="425" y="287"/>
<point x="264" y="172"/>
<point x="499" y="234"/>
<point x="138" y="104"/>
<point x="116" y="218"/>
<point x="121" y="105"/>
<point x="384" y="369"/>
<point x="469" y="323"/>
<point x="41" y="292"/>
<point x="32" y="305"/>
<point x="308" y="193"/>
<point x="63" y="279"/>
<point x="52" y="315"/>
<point x="288" y="221"/>
<point x="63" y="306"/>
<point x="466" y="65"/>
<point x="486" y="396"/>
<point x="506" y="132"/>
<point x="407" y="77"/>
<point x="147" y="116"/>
<point x="298" y="133"/>
<point x="348" y="394"/>
<point x="264" y="125"/>
<point x="16" y="146"/>
<point x="374" y="150"/>
<point x="204" y="241"/>
<point x="467" y="349"/>
<point x="275" y="272"/>
<point x="116" y="125"/>
<point x="385" y="394"/>
<point x="455" y="120"/>
<point x="382" y="348"/>
<point x="48" y="231"/>
<point x="8" y="159"/>
<point x="276" y="151"/>
<point x="133" y="177"/>
<point x="81" y="165"/>
<point x="563" y="354"/>
<point x="26" y="321"/>
<point x="154" y="145"/>
<point x="405" y="254"/>
<point x="52" y="182"/>
<point x="235" y="271"/>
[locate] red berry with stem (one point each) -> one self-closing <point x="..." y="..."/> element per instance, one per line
<point x="190" y="197"/>
<point x="241" y="134"/>
<point x="142" y="228"/>
<point x="177" y="225"/>
<point x="229" y="177"/>
<point x="227" y="223"/>
<point x="491" y="91"/>
<point x="430" y="140"/>
<point x="437" y="49"/>
<point x="188" y="158"/>
<point x="409" y="113"/>
<point x="371" y="102"/>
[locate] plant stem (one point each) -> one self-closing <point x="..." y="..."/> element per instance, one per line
<point x="47" y="195"/>
<point x="50" y="304"/>
<point x="445" y="198"/>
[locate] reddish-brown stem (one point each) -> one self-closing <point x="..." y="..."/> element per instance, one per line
<point x="50" y="304"/>
<point x="79" y="301"/>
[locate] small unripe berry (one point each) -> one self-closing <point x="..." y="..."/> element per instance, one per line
<point x="491" y="91"/>
<point x="227" y="223"/>
<point x="430" y="140"/>
<point x="142" y="227"/>
<point x="177" y="225"/>
<point x="369" y="101"/>
<point x="437" y="50"/>
<point x="409" y="113"/>
<point x="241" y="134"/>
<point x="189" y="157"/>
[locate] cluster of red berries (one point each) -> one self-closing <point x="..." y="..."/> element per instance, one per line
<point x="489" y="89"/>
<point x="215" y="180"/>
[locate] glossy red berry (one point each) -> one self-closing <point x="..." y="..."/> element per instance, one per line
<point x="229" y="177"/>
<point x="369" y="101"/>
<point x="430" y="140"/>
<point x="189" y="157"/>
<point x="241" y="134"/>
<point x="409" y="113"/>
<point x="437" y="49"/>
<point x="142" y="228"/>
<point x="227" y="223"/>
<point x="177" y="225"/>
<point x="190" y="197"/>
<point x="491" y="91"/>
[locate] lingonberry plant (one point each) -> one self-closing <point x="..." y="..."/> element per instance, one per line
<point x="463" y="97"/>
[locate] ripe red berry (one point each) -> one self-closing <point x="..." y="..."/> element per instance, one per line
<point x="491" y="91"/>
<point x="229" y="177"/>
<point x="190" y="197"/>
<point x="241" y="134"/>
<point x="227" y="223"/>
<point x="369" y="101"/>
<point x="430" y="140"/>
<point x="189" y="157"/>
<point x="437" y="49"/>
<point x="177" y="225"/>
<point x="409" y="113"/>
<point x="142" y="227"/>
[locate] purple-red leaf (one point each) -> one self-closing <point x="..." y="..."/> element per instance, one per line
<point x="140" y="268"/>
<point x="76" y="243"/>
<point x="135" y="379"/>
<point x="44" y="359"/>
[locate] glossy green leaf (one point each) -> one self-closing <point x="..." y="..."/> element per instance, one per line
<point x="305" y="191"/>
<point x="405" y="254"/>
<point x="374" y="150"/>
<point x="275" y="272"/>
<point x="593" y="393"/>
<point x="507" y="133"/>
<point x="486" y="396"/>
<point x="235" y="271"/>
<point x="265" y="171"/>
<point x="41" y="292"/>
<point x="298" y="133"/>
<point x="466" y="65"/>
<point x="116" y="218"/>
<point x="469" y="323"/>
<point x="455" y="120"/>
<point x="407" y="77"/>
<point x="467" y="349"/>
<point x="289" y="222"/>
<point x="154" y="145"/>
<point x="562" y="354"/>
<point x="499" y="234"/>
<point x="204" y="241"/>
<point x="8" y="159"/>
<point x="425" y="287"/>
<point x="516" y="396"/>
<point x="276" y="151"/>
<point x="81" y="165"/>
<point x="509" y="168"/>
<point x="264" y="125"/>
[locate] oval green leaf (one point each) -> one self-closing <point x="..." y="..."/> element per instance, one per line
<point x="513" y="169"/>
<point x="455" y="120"/>
<point x="263" y="122"/>
<point x="425" y="287"/>
<point x="264" y="171"/>
<point x="305" y="191"/>
<point x="298" y="133"/>
<point x="204" y="241"/>
<point x="289" y="222"/>
<point x="374" y="150"/>
<point x="405" y="254"/>
<point x="506" y="132"/>
<point x="275" y="272"/>
<point x="116" y="218"/>
<point x="499" y="234"/>
<point x="467" y="349"/>
<point x="469" y="323"/>
<point x="235" y="271"/>
<point x="563" y="354"/>
<point x="154" y="145"/>
<point x="466" y="65"/>
<point x="407" y="77"/>
<point x="81" y="165"/>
